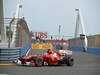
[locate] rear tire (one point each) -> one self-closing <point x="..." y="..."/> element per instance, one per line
<point x="70" y="62"/>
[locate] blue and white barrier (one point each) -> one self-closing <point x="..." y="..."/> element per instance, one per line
<point x="10" y="54"/>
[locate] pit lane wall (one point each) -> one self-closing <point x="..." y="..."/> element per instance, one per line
<point x="76" y="44"/>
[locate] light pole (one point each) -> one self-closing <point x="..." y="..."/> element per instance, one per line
<point x="59" y="30"/>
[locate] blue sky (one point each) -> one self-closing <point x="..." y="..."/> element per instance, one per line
<point x="47" y="15"/>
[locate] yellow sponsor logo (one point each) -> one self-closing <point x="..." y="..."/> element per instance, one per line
<point x="42" y="46"/>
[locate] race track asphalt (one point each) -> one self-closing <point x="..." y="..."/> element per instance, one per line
<point x="85" y="64"/>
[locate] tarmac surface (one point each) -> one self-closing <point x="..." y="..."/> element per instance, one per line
<point x="85" y="64"/>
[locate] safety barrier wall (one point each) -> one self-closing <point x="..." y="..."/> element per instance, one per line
<point x="10" y="54"/>
<point x="95" y="51"/>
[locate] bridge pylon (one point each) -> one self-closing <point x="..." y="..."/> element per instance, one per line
<point x="80" y="25"/>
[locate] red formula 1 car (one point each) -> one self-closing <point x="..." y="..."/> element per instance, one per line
<point x="51" y="58"/>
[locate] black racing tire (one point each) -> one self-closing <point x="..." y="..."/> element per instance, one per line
<point x="39" y="62"/>
<point x="70" y="61"/>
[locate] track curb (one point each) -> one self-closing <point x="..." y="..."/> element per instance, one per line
<point x="8" y="64"/>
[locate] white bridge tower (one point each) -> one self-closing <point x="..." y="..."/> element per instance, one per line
<point x="80" y="23"/>
<point x="15" y="21"/>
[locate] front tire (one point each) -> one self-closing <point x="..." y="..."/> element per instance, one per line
<point x="39" y="62"/>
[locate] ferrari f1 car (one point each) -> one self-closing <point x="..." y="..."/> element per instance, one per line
<point x="50" y="58"/>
